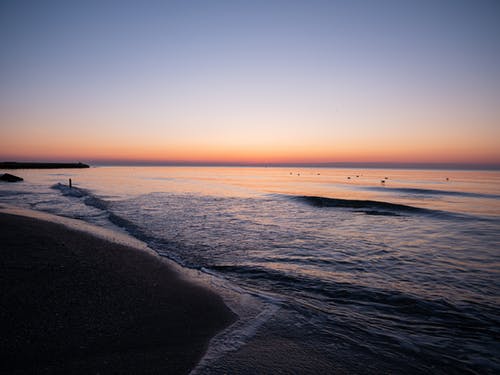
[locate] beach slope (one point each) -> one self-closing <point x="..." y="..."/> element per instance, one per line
<point x="74" y="303"/>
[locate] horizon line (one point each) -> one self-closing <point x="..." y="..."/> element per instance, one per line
<point x="397" y="165"/>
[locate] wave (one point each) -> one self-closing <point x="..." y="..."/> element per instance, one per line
<point x="367" y="206"/>
<point x="432" y="192"/>
<point x="91" y="200"/>
<point x="386" y="320"/>
<point x="395" y="304"/>
<point x="70" y="191"/>
<point x="381" y="208"/>
<point x="161" y="246"/>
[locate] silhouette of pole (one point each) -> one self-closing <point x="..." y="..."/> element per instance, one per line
<point x="70" y="183"/>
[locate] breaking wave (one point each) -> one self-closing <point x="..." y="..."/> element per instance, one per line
<point x="367" y="206"/>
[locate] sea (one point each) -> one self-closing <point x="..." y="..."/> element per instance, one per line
<point x="331" y="270"/>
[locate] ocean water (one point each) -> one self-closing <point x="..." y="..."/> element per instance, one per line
<point x="341" y="272"/>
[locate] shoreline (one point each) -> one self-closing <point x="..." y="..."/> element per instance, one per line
<point x="74" y="302"/>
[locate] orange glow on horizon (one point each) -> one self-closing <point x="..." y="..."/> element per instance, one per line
<point x="245" y="145"/>
<point x="249" y="155"/>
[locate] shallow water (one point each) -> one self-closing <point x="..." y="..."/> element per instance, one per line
<point x="402" y="273"/>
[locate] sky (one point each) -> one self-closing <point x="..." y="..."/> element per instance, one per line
<point x="250" y="81"/>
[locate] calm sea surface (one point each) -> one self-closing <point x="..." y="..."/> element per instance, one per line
<point x="353" y="274"/>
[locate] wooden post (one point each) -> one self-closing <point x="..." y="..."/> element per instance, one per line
<point x="70" y="183"/>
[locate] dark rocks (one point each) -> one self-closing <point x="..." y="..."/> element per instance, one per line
<point x="10" y="178"/>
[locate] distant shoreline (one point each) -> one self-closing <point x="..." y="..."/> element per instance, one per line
<point x="36" y="165"/>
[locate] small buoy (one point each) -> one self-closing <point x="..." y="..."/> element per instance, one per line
<point x="348" y="178"/>
<point x="382" y="181"/>
<point x="447" y="179"/>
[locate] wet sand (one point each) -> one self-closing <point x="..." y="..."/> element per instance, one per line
<point x="74" y="303"/>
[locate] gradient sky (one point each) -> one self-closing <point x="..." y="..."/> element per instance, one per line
<point x="250" y="81"/>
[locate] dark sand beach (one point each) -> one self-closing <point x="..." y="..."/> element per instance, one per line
<point x="74" y="303"/>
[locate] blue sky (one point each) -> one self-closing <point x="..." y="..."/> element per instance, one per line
<point x="330" y="80"/>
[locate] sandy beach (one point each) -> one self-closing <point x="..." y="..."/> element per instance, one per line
<point x="73" y="303"/>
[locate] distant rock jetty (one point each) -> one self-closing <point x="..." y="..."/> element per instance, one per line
<point x="16" y="165"/>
